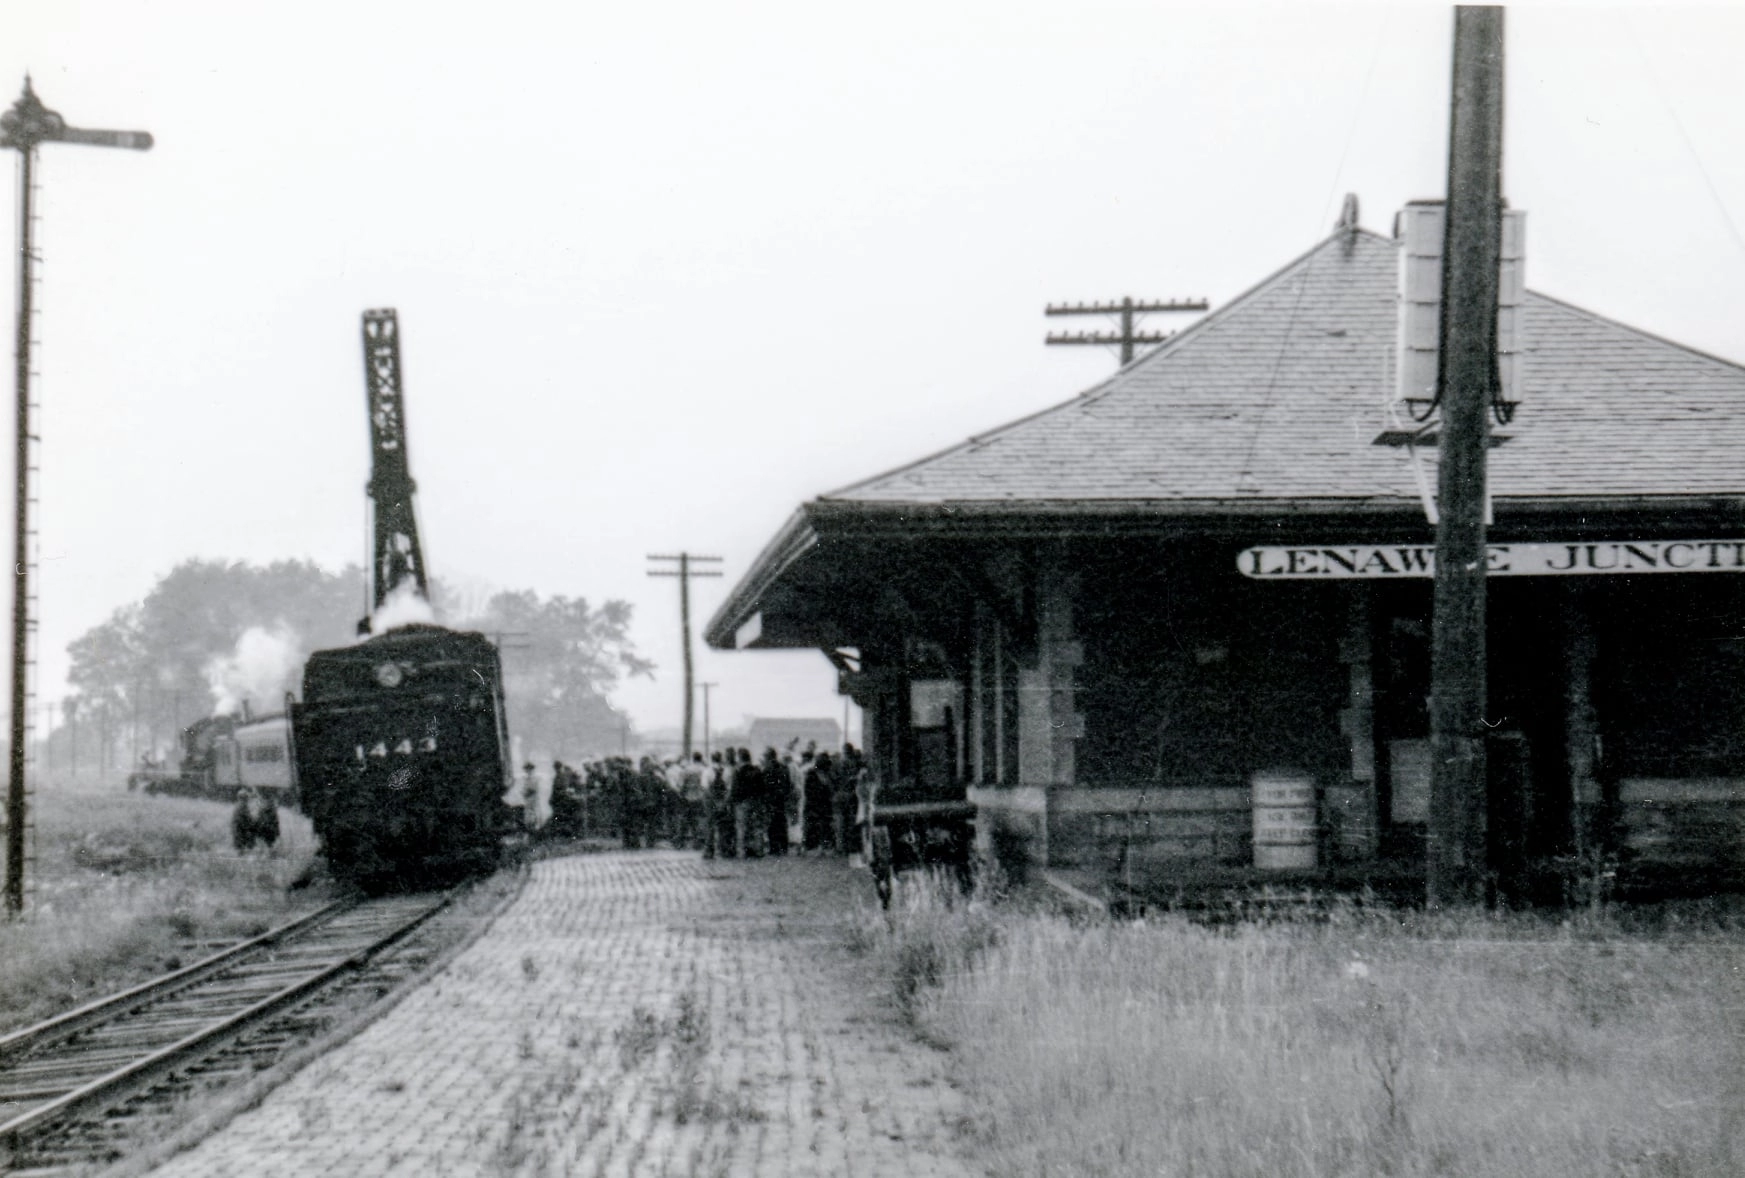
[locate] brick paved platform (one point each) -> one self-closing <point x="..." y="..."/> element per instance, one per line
<point x="637" y="1013"/>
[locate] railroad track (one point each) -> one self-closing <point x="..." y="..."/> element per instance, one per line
<point x="76" y="1089"/>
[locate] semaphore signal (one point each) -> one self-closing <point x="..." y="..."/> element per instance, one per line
<point x="28" y="124"/>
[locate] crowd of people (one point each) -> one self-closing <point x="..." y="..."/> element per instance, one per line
<point x="729" y="805"/>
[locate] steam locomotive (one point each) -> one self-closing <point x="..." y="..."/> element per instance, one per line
<point x="401" y="747"/>
<point x="402" y="755"/>
<point x="221" y="754"/>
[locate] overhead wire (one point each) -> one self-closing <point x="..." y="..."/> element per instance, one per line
<point x="1635" y="38"/>
<point x="1268" y="398"/>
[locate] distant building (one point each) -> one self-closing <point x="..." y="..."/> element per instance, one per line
<point x="1178" y="628"/>
<point x="780" y="733"/>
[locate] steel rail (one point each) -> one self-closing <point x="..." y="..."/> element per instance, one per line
<point x="114" y="1005"/>
<point x="166" y="1059"/>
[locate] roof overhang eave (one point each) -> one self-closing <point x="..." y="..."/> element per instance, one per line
<point x="789" y="545"/>
<point x="1034" y="518"/>
<point x="996" y="517"/>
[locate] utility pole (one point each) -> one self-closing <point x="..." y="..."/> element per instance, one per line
<point x="706" y="686"/>
<point x="1126" y="309"/>
<point x="28" y="124"/>
<point x="1455" y="866"/>
<point x="684" y="573"/>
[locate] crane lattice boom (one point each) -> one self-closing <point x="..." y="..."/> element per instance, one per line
<point x="398" y="559"/>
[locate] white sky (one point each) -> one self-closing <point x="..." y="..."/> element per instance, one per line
<point x="666" y="270"/>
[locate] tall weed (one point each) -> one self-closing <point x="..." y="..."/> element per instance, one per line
<point x="123" y="886"/>
<point x="929" y="935"/>
<point x="1353" y="1040"/>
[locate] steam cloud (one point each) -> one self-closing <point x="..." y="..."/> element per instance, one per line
<point x="402" y="608"/>
<point x="264" y="665"/>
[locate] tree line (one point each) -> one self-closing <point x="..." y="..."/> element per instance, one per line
<point x="215" y="636"/>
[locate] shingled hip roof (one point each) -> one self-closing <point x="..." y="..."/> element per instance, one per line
<point x="1275" y="401"/>
<point x="1281" y="394"/>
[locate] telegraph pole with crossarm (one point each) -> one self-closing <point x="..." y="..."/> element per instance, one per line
<point x="684" y="572"/>
<point x="28" y="124"/>
<point x="1126" y="309"/>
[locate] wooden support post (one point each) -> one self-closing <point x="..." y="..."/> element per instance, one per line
<point x="1351" y="809"/>
<point x="1580" y="722"/>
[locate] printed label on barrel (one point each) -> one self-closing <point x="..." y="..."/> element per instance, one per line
<point x="1283" y="793"/>
<point x="1284" y="825"/>
<point x="1285" y="858"/>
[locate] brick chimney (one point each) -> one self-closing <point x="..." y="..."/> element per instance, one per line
<point x="1419" y="230"/>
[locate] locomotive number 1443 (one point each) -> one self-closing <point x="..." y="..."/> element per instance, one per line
<point x="404" y="747"/>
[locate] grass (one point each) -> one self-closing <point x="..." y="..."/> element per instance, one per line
<point x="125" y="886"/>
<point x="570" y="1112"/>
<point x="932" y="933"/>
<point x="1362" y="1041"/>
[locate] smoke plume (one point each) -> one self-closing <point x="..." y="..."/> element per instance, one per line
<point x="402" y="608"/>
<point x="264" y="665"/>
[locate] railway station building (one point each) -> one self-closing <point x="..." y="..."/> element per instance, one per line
<point x="1175" y="632"/>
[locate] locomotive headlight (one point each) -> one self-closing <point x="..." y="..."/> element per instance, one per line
<point x="390" y="675"/>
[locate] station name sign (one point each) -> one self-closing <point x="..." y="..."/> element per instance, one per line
<point x="1584" y="559"/>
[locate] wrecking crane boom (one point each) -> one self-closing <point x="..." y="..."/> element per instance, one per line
<point x="398" y="561"/>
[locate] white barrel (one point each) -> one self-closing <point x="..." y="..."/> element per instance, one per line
<point x="1285" y="829"/>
